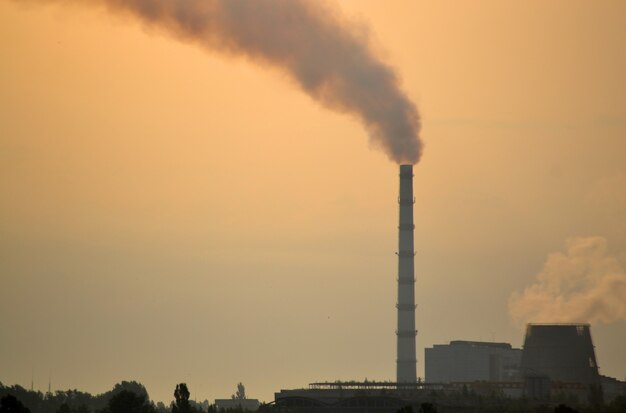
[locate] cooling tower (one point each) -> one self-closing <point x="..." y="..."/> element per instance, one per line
<point x="406" y="361"/>
<point x="562" y="352"/>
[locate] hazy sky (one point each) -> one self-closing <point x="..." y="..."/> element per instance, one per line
<point x="172" y="215"/>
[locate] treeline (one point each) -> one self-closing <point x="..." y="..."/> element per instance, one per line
<point x="125" y="397"/>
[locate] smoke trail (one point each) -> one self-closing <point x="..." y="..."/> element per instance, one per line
<point x="328" y="58"/>
<point x="585" y="284"/>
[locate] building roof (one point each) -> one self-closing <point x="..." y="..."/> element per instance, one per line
<point x="506" y="346"/>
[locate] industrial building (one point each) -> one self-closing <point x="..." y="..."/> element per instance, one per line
<point x="561" y="352"/>
<point x="379" y="396"/>
<point x="339" y="397"/>
<point x="250" y="405"/>
<point x="556" y="360"/>
<point x="468" y="361"/>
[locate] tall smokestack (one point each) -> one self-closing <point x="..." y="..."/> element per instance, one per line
<point x="406" y="361"/>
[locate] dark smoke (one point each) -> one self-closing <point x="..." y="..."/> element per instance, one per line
<point x="330" y="59"/>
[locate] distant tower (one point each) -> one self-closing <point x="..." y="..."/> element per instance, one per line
<point x="406" y="361"/>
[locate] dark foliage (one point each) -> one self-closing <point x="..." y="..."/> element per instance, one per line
<point x="181" y="394"/>
<point x="617" y="406"/>
<point x="240" y="394"/>
<point x="563" y="408"/>
<point x="428" y="408"/>
<point x="10" y="404"/>
<point x="127" y="401"/>
<point x="182" y="404"/>
<point x="70" y="401"/>
<point x="66" y="408"/>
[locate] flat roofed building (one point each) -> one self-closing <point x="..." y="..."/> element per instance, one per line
<point x="468" y="361"/>
<point x="235" y="404"/>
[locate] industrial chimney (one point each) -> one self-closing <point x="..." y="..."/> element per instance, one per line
<point x="406" y="361"/>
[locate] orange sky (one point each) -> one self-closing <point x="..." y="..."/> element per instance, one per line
<point x="170" y="215"/>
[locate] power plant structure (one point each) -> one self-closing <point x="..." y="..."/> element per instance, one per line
<point x="562" y="352"/>
<point x="556" y="360"/>
<point x="375" y="396"/>
<point x="406" y="363"/>
<point x="559" y="353"/>
<point x="463" y="361"/>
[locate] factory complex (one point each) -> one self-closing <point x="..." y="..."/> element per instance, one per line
<point x="556" y="364"/>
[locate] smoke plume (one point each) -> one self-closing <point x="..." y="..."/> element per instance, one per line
<point x="584" y="284"/>
<point x="329" y="58"/>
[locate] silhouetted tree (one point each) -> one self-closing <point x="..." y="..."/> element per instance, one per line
<point x="428" y="408"/>
<point x="618" y="405"/>
<point x="181" y="394"/>
<point x="77" y="401"/>
<point x="132" y="386"/>
<point x="161" y="408"/>
<point x="10" y="404"/>
<point x="240" y="394"/>
<point x="563" y="408"/>
<point x="127" y="401"/>
<point x="64" y="408"/>
<point x="32" y="400"/>
<point x="82" y="409"/>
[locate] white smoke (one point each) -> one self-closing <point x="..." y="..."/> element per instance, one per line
<point x="584" y="284"/>
<point x="328" y="58"/>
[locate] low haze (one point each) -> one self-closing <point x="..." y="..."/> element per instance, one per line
<point x="172" y="214"/>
